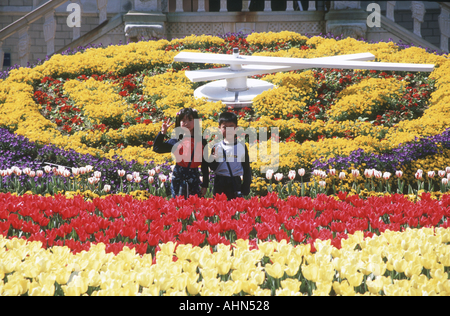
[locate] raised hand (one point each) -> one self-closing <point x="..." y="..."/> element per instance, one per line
<point x="165" y="126"/>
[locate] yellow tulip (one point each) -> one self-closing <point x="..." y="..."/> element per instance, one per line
<point x="231" y="287"/>
<point x="145" y="279"/>
<point x="209" y="273"/>
<point x="194" y="288"/>
<point x="274" y="270"/>
<point x="46" y="278"/>
<point x="223" y="267"/>
<point x="287" y="292"/>
<point x="355" y="279"/>
<point x="445" y="259"/>
<point x="438" y="274"/>
<point x="206" y="262"/>
<point x="153" y="290"/>
<point x="211" y="284"/>
<point x="71" y="290"/>
<point x="164" y="282"/>
<point x="258" y="276"/>
<point x="266" y="247"/>
<point x="249" y="286"/>
<point x="131" y="288"/>
<point x="173" y="292"/>
<point x="375" y="286"/>
<point x="237" y="275"/>
<point x="45" y="290"/>
<point x="19" y="280"/>
<point x="63" y="275"/>
<point x="292" y="267"/>
<point x="393" y="290"/>
<point x="413" y="268"/>
<point x="427" y="262"/>
<point x="278" y="257"/>
<point x="291" y="284"/>
<point x="400" y="265"/>
<point x="311" y="272"/>
<point x="344" y="288"/>
<point x="443" y="286"/>
<point x="323" y="288"/>
<point x="189" y="267"/>
<point x="168" y="248"/>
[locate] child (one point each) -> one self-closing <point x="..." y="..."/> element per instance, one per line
<point x="185" y="173"/>
<point x="236" y="155"/>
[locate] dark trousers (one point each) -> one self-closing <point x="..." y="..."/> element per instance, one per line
<point x="225" y="185"/>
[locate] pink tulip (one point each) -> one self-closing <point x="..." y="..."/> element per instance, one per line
<point x="444" y="181"/>
<point x="129" y="177"/>
<point x="386" y="175"/>
<point x="89" y="168"/>
<point x="369" y="173"/>
<point x="269" y="174"/>
<point x="322" y="184"/>
<point x="121" y="173"/>
<point x="418" y="175"/>
<point x="151" y="172"/>
<point x="278" y="177"/>
<point x="291" y="175"/>
<point x="398" y="173"/>
<point x="26" y="171"/>
<point x="107" y="188"/>
<point x="39" y="173"/>
<point x="157" y="169"/>
<point x="447" y="169"/>
<point x="355" y="173"/>
<point x="162" y="178"/>
<point x="97" y="174"/>
<point x="332" y="172"/>
<point x="31" y="174"/>
<point x="151" y="179"/>
<point x="301" y="172"/>
<point x="83" y="170"/>
<point x="431" y="174"/>
<point x="441" y="173"/>
<point x="342" y="175"/>
<point x="137" y="179"/>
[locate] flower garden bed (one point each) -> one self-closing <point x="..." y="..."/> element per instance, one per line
<point x="73" y="223"/>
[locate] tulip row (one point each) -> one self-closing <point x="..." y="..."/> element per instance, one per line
<point x="413" y="262"/>
<point x="118" y="220"/>
<point x="321" y="179"/>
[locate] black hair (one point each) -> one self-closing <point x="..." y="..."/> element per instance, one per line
<point x="188" y="112"/>
<point x="228" y="117"/>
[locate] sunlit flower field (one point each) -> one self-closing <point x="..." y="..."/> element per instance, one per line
<point x="358" y="206"/>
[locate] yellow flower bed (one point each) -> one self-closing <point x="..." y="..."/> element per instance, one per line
<point x="364" y="98"/>
<point x="271" y="38"/>
<point x="389" y="264"/>
<point x="98" y="100"/>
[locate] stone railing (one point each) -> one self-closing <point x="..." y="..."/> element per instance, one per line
<point x="418" y="13"/>
<point x="201" y="7"/>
